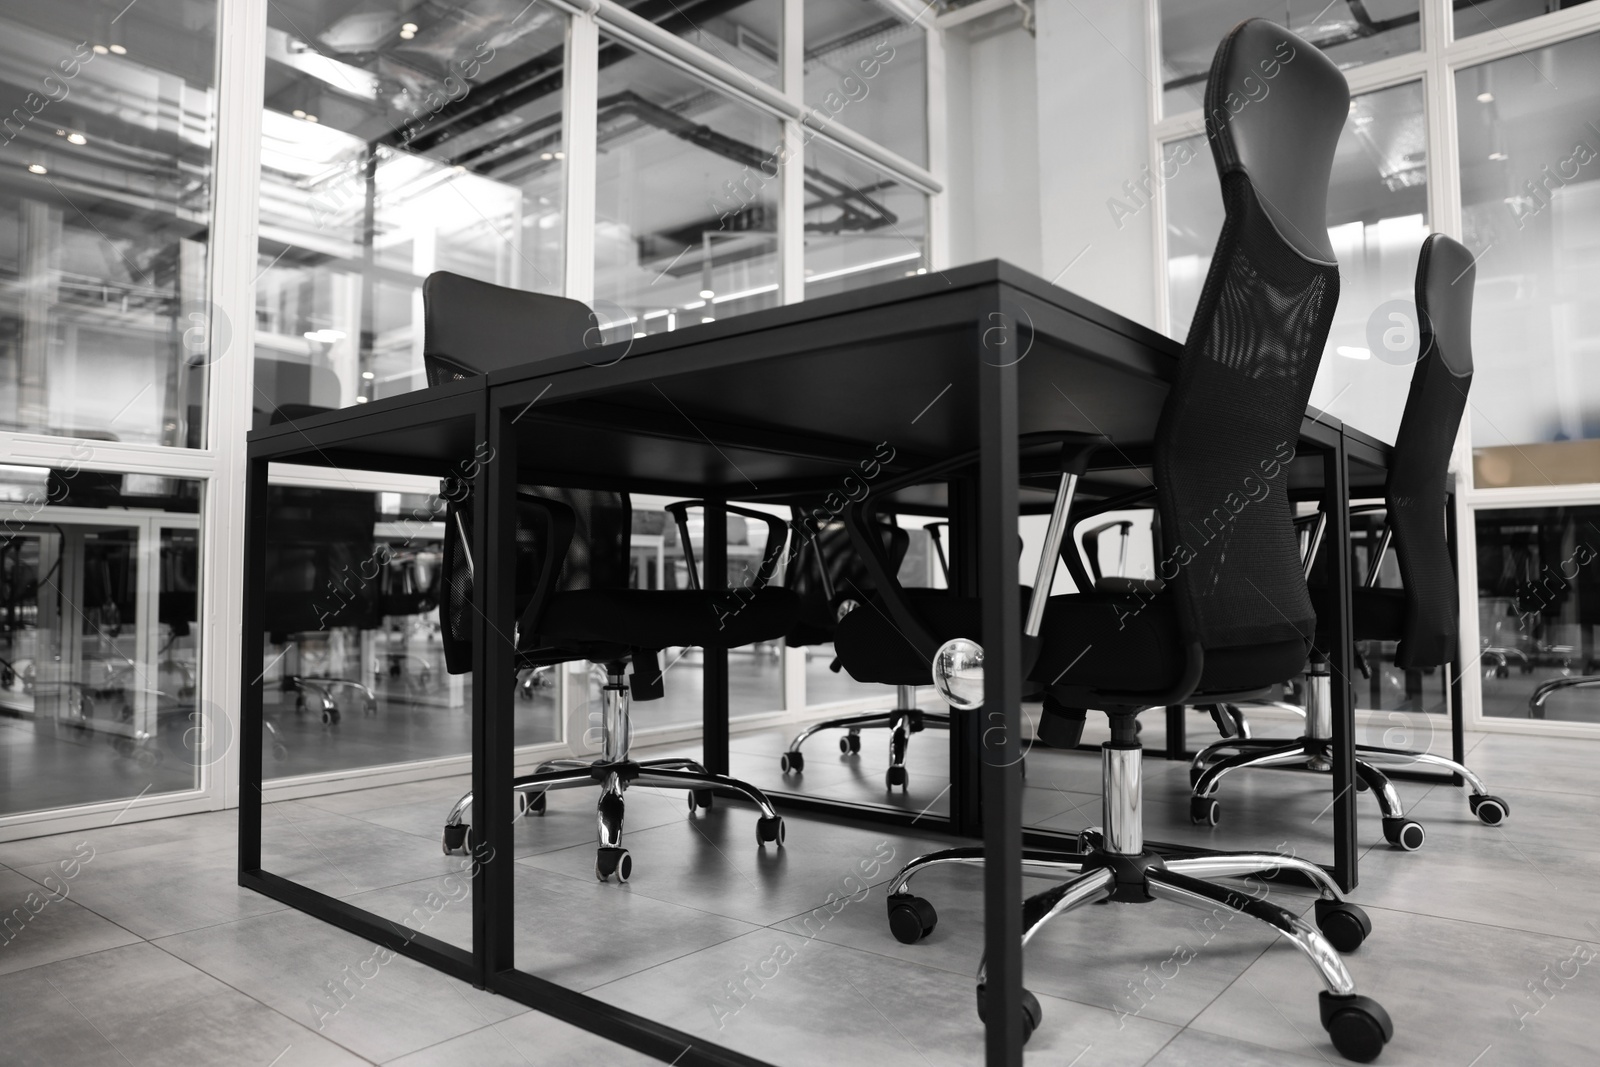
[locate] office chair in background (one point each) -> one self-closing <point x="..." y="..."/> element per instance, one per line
<point x="574" y="564"/>
<point x="1423" y="615"/>
<point x="1236" y="617"/>
<point x="830" y="580"/>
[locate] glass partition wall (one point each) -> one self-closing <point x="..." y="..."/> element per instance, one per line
<point x="1477" y="120"/>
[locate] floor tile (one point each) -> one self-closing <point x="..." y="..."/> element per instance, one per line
<point x="531" y="1039"/>
<point x="42" y="924"/>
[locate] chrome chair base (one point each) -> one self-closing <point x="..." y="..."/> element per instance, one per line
<point x="906" y="719"/>
<point x="614" y="772"/>
<point x="1101" y="871"/>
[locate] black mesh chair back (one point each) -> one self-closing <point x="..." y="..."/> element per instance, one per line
<point x="320" y="561"/>
<point x="1419" y="470"/>
<point x="1274" y="109"/>
<point x="472" y="327"/>
<point x="598" y="557"/>
<point x="827" y="571"/>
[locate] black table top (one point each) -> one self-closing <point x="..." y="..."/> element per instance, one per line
<point x="789" y="400"/>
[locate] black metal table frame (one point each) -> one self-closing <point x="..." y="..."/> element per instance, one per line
<point x="990" y="753"/>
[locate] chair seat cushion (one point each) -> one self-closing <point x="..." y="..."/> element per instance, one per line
<point x="654" y="618"/>
<point x="1089" y="641"/>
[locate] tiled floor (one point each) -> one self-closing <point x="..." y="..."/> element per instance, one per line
<point x="133" y="945"/>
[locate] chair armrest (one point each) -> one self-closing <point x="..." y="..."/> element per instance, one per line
<point x="1080" y="515"/>
<point x="777" y="536"/>
<point x="559" y="523"/>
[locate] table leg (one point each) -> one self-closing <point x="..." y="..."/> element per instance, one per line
<point x="714" y="684"/>
<point x="1341" y="660"/>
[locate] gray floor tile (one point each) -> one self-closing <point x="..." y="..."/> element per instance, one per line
<point x="139" y="1006"/>
<point x="39" y="925"/>
<point x="344" y="854"/>
<point x="166" y="888"/>
<point x="389" y="1006"/>
<point x="532" y="1039"/>
<point x="798" y="1002"/>
<point x="1448" y="986"/>
<point x="124" y="835"/>
<point x="1510" y="763"/>
<point x="1194" y="1048"/>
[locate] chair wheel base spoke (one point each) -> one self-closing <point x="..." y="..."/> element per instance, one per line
<point x="911" y="918"/>
<point x="1405" y="834"/>
<point x="1358" y="1025"/>
<point x="1490" y="810"/>
<point x="613" y="863"/>
<point x="1344" y="924"/>
<point x="1032" y="1012"/>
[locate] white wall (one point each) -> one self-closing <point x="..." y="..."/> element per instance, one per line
<point x="1093" y="92"/>
<point x="993" y="135"/>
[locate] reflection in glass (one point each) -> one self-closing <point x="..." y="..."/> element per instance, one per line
<point x="686" y="226"/>
<point x="397" y="141"/>
<point x="99" y="644"/>
<point x="862" y="225"/>
<point x="866" y="67"/>
<point x="743" y="35"/>
<point x="1377" y="219"/>
<point x="1530" y="212"/>
<point x="1351" y="32"/>
<point x="1538" y="607"/>
<point x="1487" y="16"/>
<point x="105" y="330"/>
<point x="355" y="673"/>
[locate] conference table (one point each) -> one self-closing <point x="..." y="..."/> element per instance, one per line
<point x="786" y="405"/>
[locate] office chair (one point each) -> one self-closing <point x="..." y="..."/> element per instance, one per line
<point x="573" y="600"/>
<point x="1423" y="615"/>
<point x="1233" y="614"/>
<point x="831" y="581"/>
<point x="318" y="540"/>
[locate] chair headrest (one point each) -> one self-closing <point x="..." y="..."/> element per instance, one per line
<point x="473" y="327"/>
<point x="1274" y="107"/>
<point x="1446" y="275"/>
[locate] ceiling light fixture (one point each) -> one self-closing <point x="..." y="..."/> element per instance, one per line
<point x="408" y="27"/>
<point x="77" y="138"/>
<point x="118" y="50"/>
<point x="297" y="113"/>
<point x="311" y="118"/>
<point x="100" y="49"/>
<point x="706" y="294"/>
<point x="37" y="168"/>
<point x="1485" y="98"/>
<point x="1498" y="156"/>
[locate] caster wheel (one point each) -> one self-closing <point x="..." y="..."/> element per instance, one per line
<point x="700" y="798"/>
<point x="531" y="804"/>
<point x="849" y="744"/>
<point x="610" y="862"/>
<point x="1091" y="841"/>
<point x="1343" y="924"/>
<point x="911" y="918"/>
<point x="1491" y="811"/>
<point x="1204" y="811"/>
<point x="769" y="830"/>
<point x="896" y="776"/>
<point x="1032" y="1013"/>
<point x="1404" y="833"/>
<point x="1358" y="1025"/>
<point x="1502" y="672"/>
<point x="299" y="704"/>
<point x="280" y="752"/>
<point x="457" y="839"/>
<point x="792" y="762"/>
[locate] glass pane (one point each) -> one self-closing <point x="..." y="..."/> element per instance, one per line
<point x="1538" y="606"/>
<point x="744" y="35"/>
<point x="397" y="141"/>
<point x="1530" y="212"/>
<point x="1377" y="219"/>
<point x="867" y="67"/>
<point x="355" y="671"/>
<point x="686" y="216"/>
<point x="1488" y="16"/>
<point x="99" y="647"/>
<point x="1350" y="32"/>
<point x="863" y="226"/>
<point x="105" y="329"/>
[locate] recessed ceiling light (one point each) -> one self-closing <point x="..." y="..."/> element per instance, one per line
<point x="311" y="118"/>
<point x="408" y="27"/>
<point x="706" y="294"/>
<point x="638" y="335"/>
<point x="100" y="49"/>
<point x="708" y="318"/>
<point x="561" y="155"/>
<point x="297" y="113"/>
<point x="37" y="168"/>
<point x="77" y="138"/>
<point x="1497" y="156"/>
<point x="922" y="270"/>
<point x="546" y="156"/>
<point x="118" y="50"/>
<point x="1485" y="98"/>
<point x="361" y="400"/>
<point x="368" y="375"/>
<point x="406" y="35"/>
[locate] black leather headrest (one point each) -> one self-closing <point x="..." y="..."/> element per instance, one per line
<point x="1274" y="108"/>
<point x="1445" y="277"/>
<point x="474" y="327"/>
